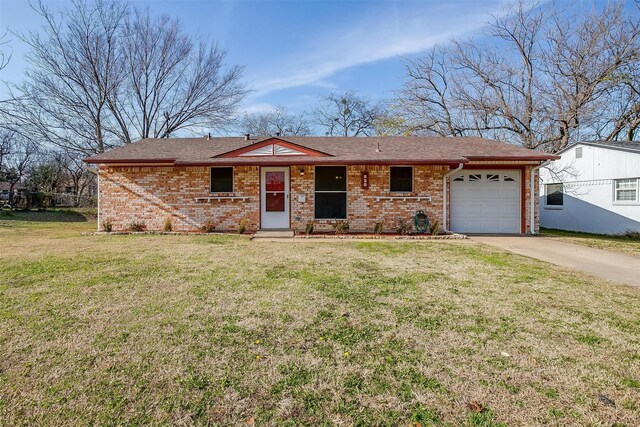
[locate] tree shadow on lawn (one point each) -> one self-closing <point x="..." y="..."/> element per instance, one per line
<point x="63" y="215"/>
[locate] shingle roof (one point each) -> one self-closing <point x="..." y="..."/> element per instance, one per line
<point x="396" y="149"/>
<point x="618" y="145"/>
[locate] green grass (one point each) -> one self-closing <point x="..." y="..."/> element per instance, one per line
<point x="623" y="244"/>
<point x="219" y="330"/>
<point x="50" y="215"/>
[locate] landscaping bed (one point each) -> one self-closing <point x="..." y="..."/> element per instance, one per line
<point x="385" y="236"/>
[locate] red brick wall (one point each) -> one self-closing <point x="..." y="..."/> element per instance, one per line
<point x="363" y="210"/>
<point x="527" y="177"/>
<point x="153" y="194"/>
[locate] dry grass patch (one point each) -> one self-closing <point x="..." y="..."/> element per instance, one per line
<point x="201" y="330"/>
<point x="629" y="245"/>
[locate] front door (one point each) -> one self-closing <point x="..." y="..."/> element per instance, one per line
<point x="274" y="197"/>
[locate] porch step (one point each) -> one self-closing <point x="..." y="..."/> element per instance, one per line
<point x="267" y="235"/>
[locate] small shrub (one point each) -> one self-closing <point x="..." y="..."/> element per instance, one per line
<point x="209" y="226"/>
<point x="341" y="227"/>
<point x="308" y="229"/>
<point x="379" y="227"/>
<point x="168" y="225"/>
<point x="107" y="225"/>
<point x="7" y="213"/>
<point x="434" y="228"/>
<point x="404" y="227"/>
<point x="242" y="227"/>
<point x="137" y="226"/>
<point x="631" y="234"/>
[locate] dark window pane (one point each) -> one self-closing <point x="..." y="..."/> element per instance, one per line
<point x="274" y="202"/>
<point x="331" y="178"/>
<point x="331" y="206"/>
<point x="555" y="196"/>
<point x="401" y="179"/>
<point x="221" y="180"/>
<point x="274" y="181"/>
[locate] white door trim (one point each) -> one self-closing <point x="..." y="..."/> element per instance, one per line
<point x="275" y="219"/>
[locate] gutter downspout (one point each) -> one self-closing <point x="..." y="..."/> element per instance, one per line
<point x="444" y="195"/>
<point x="532" y="197"/>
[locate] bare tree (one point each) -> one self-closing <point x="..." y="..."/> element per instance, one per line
<point x="621" y="120"/>
<point x="347" y="114"/>
<point x="6" y="146"/>
<point x="275" y="122"/>
<point x="545" y="79"/>
<point x="427" y="100"/>
<point x="173" y="81"/>
<point x="45" y="176"/>
<point x="4" y="56"/>
<point x="100" y="76"/>
<point x="392" y="122"/>
<point x="584" y="60"/>
<point x="22" y="154"/>
<point x="75" y="173"/>
<point x="73" y="68"/>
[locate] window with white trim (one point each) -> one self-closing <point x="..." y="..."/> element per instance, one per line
<point x="626" y="190"/>
<point x="555" y="194"/>
<point x="331" y="192"/>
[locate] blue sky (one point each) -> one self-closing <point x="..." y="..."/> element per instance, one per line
<point x="295" y="51"/>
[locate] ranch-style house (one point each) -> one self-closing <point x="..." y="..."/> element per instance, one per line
<point x="468" y="185"/>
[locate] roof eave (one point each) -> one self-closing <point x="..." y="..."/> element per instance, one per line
<point x="595" y="144"/>
<point x="98" y="161"/>
<point x="533" y="158"/>
<point x="321" y="161"/>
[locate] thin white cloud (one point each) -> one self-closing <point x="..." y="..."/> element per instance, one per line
<point x="257" y="107"/>
<point x="403" y="31"/>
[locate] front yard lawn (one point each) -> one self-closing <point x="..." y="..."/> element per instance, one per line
<point x="211" y="330"/>
<point x="624" y="244"/>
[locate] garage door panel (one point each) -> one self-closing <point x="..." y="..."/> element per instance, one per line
<point x="493" y="224"/>
<point x="486" y="202"/>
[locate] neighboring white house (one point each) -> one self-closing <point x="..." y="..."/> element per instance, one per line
<point x="594" y="187"/>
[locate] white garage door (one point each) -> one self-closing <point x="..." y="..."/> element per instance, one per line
<point x="485" y="201"/>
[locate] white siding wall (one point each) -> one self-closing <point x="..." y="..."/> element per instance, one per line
<point x="588" y="191"/>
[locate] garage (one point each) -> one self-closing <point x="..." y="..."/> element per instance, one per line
<point x="485" y="201"/>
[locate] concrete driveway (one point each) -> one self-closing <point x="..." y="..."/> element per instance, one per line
<point x="608" y="265"/>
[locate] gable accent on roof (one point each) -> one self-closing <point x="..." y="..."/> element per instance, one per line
<point x="273" y="147"/>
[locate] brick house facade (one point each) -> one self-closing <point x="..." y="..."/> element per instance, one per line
<point x="153" y="189"/>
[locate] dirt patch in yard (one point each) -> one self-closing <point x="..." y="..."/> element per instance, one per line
<point x="219" y="330"/>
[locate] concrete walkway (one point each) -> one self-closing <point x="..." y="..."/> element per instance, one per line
<point x="273" y="235"/>
<point x="608" y="265"/>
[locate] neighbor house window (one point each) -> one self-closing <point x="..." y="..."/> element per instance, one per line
<point x="555" y="194"/>
<point x="401" y="179"/>
<point x="331" y="192"/>
<point x="222" y="180"/>
<point x="578" y="152"/>
<point x="626" y="190"/>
